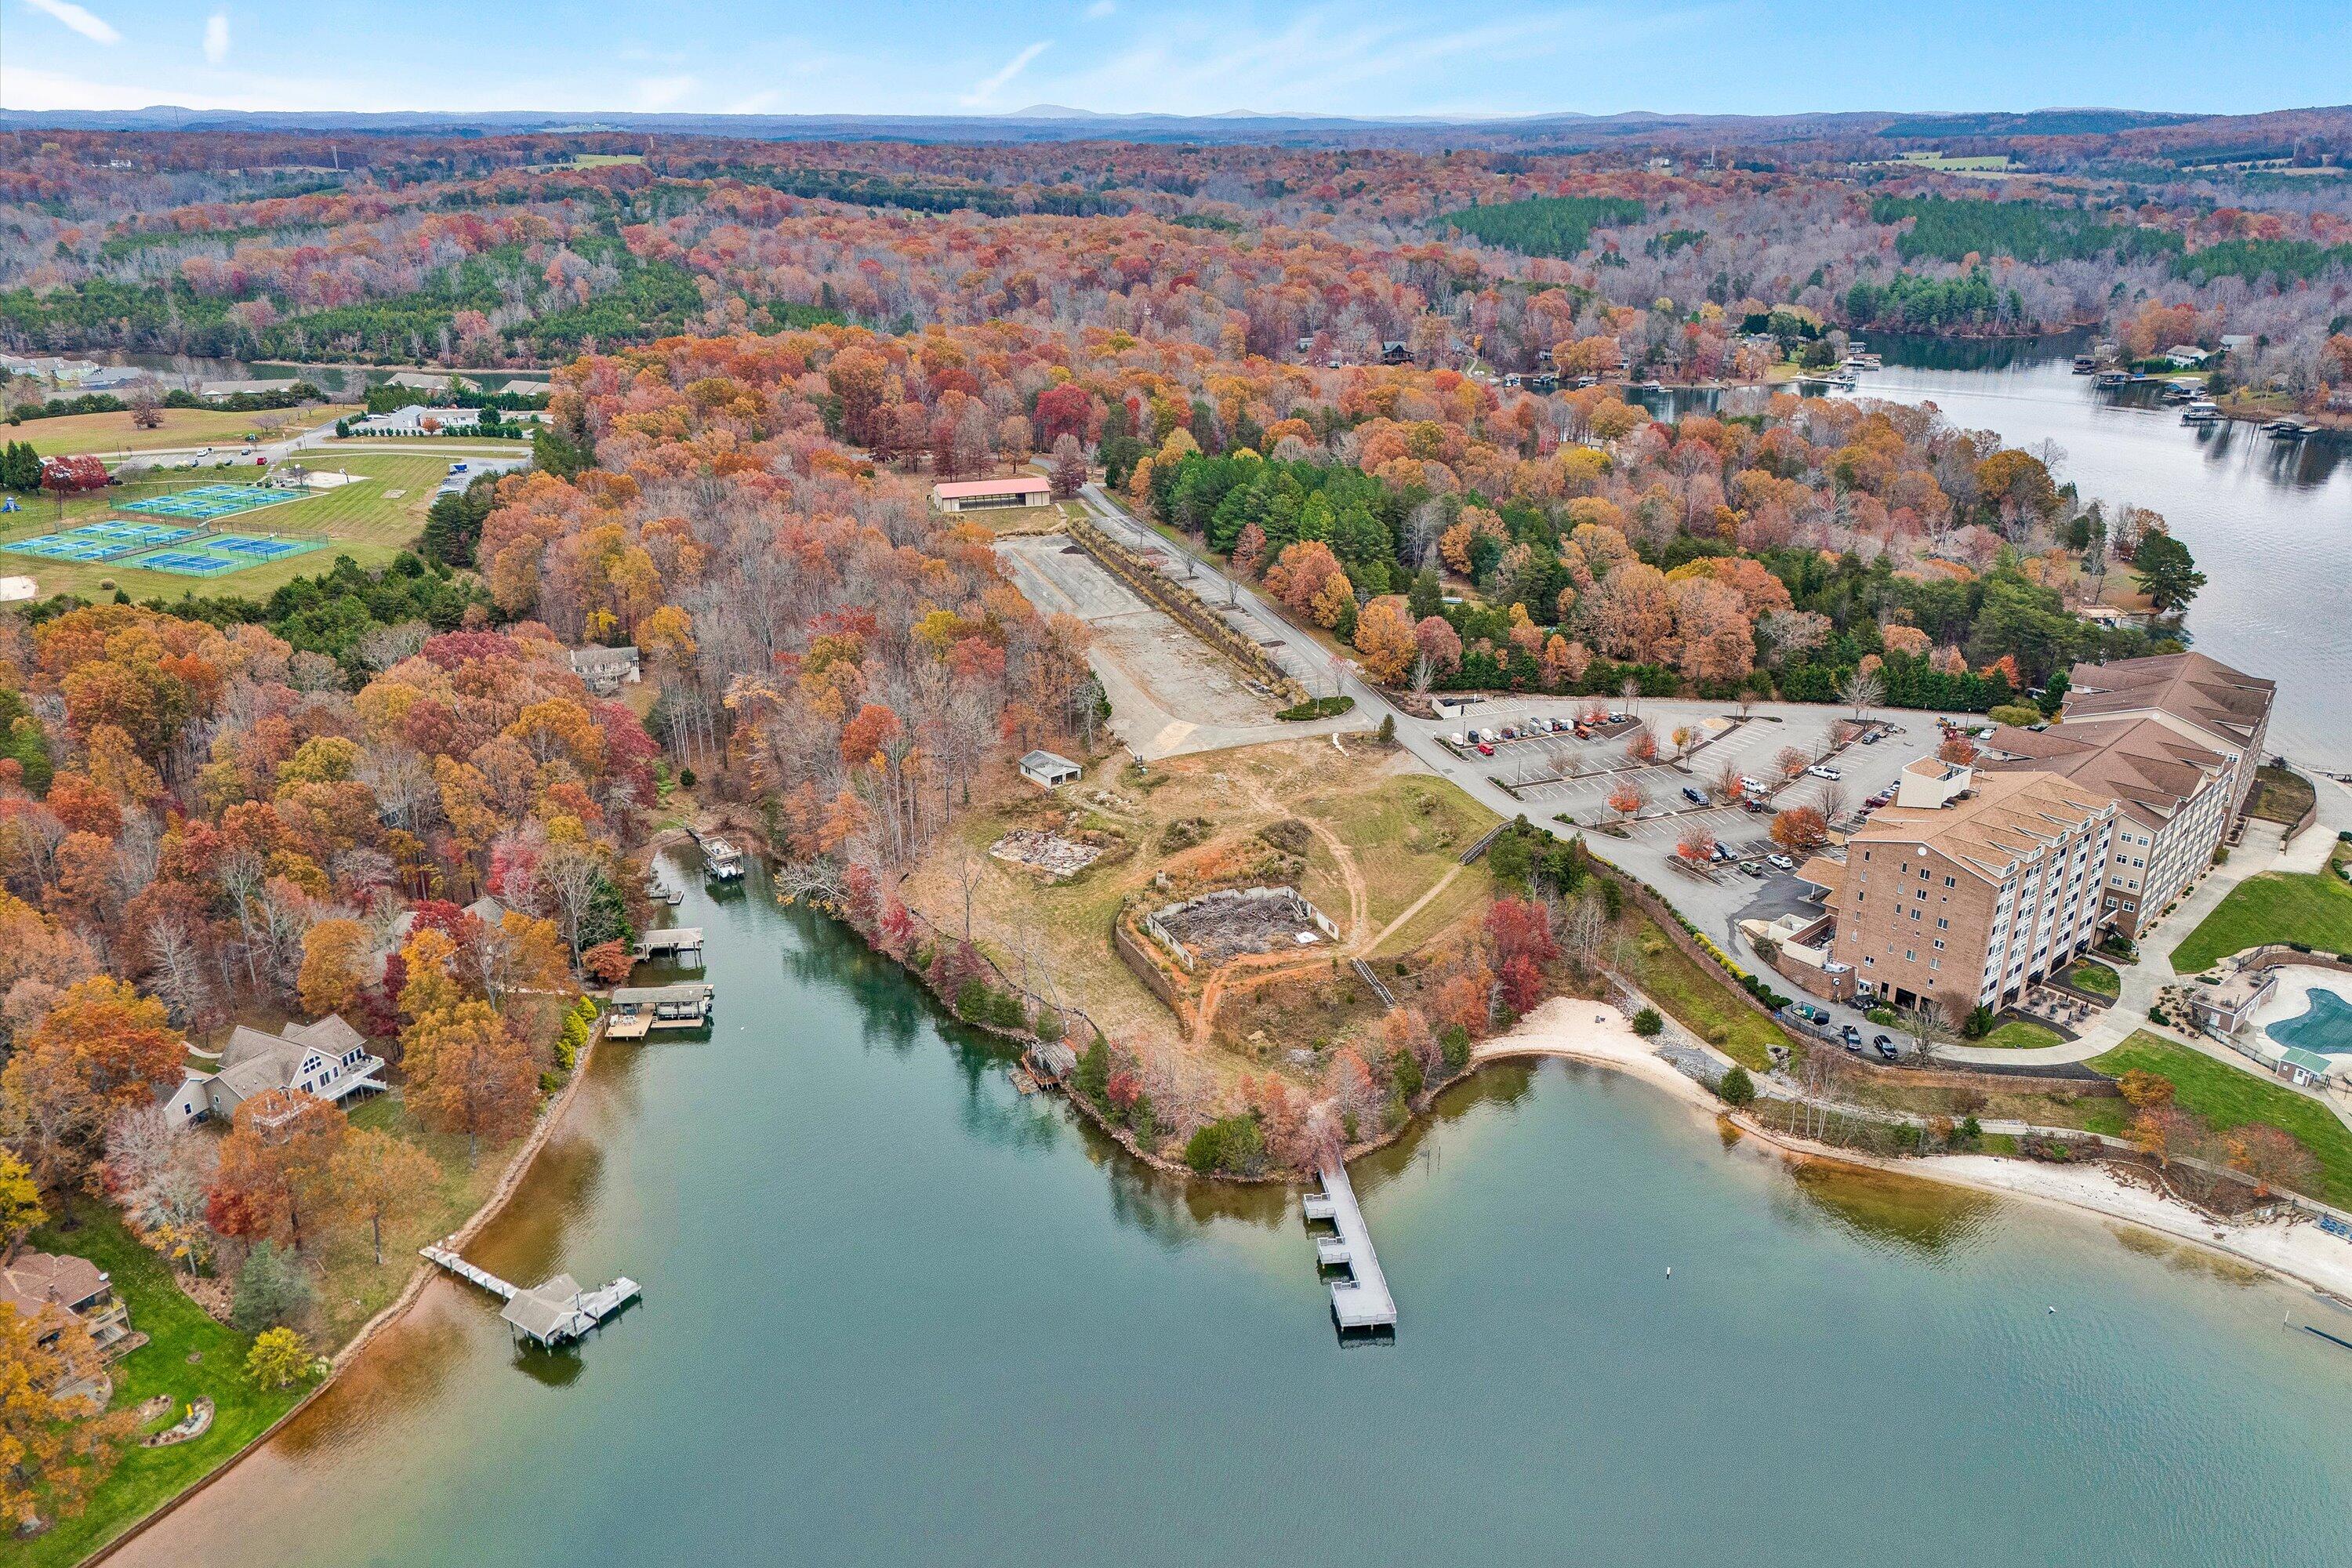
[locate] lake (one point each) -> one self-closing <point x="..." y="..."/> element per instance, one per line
<point x="2269" y="521"/>
<point x="897" y="1314"/>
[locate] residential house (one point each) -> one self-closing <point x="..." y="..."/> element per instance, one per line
<point x="2187" y="356"/>
<point x="38" y="1282"/>
<point x="607" y="669"/>
<point x="328" y="1061"/>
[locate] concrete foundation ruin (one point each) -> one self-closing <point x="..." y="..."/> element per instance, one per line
<point x="1219" y="926"/>
<point x="1049" y="855"/>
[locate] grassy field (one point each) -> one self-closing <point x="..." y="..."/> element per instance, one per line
<point x="1702" y="1003"/>
<point x="2095" y="978"/>
<point x="106" y="433"/>
<point x="2229" y="1097"/>
<point x="2314" y="909"/>
<point x="2019" y="1035"/>
<point x="601" y="160"/>
<point x="1410" y="831"/>
<point x="189" y="1356"/>
<point x="370" y="520"/>
<point x="356" y="1287"/>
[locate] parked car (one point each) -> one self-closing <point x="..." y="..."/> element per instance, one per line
<point x="1886" y="1047"/>
<point x="1779" y="862"/>
<point x="1752" y="804"/>
<point x="1693" y="795"/>
<point x="1809" y="1014"/>
<point x="1485" y="748"/>
<point x="1851" y="1037"/>
<point x="1872" y="739"/>
<point x="1583" y="733"/>
<point x="1753" y="868"/>
<point x="1823" y="771"/>
<point x="1882" y="797"/>
<point x="1723" y="853"/>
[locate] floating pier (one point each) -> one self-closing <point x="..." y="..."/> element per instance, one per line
<point x="722" y="861"/>
<point x="552" y="1313"/>
<point x="636" y="1009"/>
<point x="1362" y="1300"/>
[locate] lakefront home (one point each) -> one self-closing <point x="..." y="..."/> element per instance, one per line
<point x="326" y="1061"/>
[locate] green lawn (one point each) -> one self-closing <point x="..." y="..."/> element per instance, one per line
<point x="2314" y="909"/>
<point x="2019" y="1035"/>
<point x="177" y="1329"/>
<point x="2230" y="1097"/>
<point x="1700" y="1001"/>
<point x="108" y="434"/>
<point x="2095" y="978"/>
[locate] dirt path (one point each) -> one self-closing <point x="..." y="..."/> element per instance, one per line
<point x="1254" y="969"/>
<point x="1418" y="905"/>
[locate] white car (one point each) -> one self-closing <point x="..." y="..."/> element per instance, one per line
<point x="1823" y="771"/>
<point x="1779" y="862"/>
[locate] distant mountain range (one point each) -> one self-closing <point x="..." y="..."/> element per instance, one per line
<point x="1050" y="121"/>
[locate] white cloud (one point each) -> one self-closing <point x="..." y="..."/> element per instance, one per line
<point x="217" y="35"/>
<point x="655" y="93"/>
<point x="94" y="29"/>
<point x="990" y="86"/>
<point x="1102" y="8"/>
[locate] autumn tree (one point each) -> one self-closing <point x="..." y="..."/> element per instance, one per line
<point x="277" y="1168"/>
<point x="53" y="1446"/>
<point x="1627" y="798"/>
<point x="279" y="1359"/>
<point x="332" y="951"/>
<point x="101" y="1049"/>
<point x="466" y="1073"/>
<point x="2271" y="1155"/>
<point x="377" y="1176"/>
<point x="20" y="1202"/>
<point x="1385" y="637"/>
<point x="1697" y="848"/>
<point x="1800" y="829"/>
<point x="2165" y="1130"/>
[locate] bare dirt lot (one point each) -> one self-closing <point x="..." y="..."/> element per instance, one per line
<point x="1170" y="692"/>
<point x="1379" y="855"/>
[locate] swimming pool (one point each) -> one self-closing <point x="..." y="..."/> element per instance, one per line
<point x="2327" y="1026"/>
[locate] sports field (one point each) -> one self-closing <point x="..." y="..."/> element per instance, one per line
<point x="215" y="554"/>
<point x="370" y="520"/>
<point x="96" y="542"/>
<point x="182" y="429"/>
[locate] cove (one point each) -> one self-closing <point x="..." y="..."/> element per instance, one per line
<point x="897" y="1314"/>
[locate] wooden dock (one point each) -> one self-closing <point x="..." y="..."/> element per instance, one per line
<point x="1361" y="1300"/>
<point x="722" y="861"/>
<point x="636" y="1009"/>
<point x="681" y="945"/>
<point x="551" y="1313"/>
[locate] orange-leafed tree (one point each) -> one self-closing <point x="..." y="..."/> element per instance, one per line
<point x="101" y="1049"/>
<point x="378" y="1176"/>
<point x="1627" y="799"/>
<point x="1384" y="636"/>
<point x="466" y="1073"/>
<point x="55" y="1446"/>
<point x="332" y="950"/>
<point x="1799" y="829"/>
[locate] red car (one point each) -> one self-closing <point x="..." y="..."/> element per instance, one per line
<point x="1485" y="750"/>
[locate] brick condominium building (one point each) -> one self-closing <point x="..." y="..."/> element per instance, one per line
<point x="2175" y="740"/>
<point x="1969" y="887"/>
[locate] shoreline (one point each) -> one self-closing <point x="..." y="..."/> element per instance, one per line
<point x="510" y="1180"/>
<point x="2293" y="1252"/>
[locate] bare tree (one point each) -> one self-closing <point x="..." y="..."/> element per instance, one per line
<point x="1929" y="1025"/>
<point x="1862" y="691"/>
<point x="1833" y="799"/>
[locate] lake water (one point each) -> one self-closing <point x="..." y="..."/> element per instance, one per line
<point x="2269" y="521"/>
<point x="894" y="1313"/>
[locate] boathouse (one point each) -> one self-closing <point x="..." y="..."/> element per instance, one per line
<point x="640" y="1008"/>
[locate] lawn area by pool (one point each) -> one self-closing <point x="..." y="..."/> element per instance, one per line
<point x="2227" y="1097"/>
<point x="2314" y="909"/>
<point x="2326" y="1025"/>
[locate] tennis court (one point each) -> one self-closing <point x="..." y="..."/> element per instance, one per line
<point x="215" y="554"/>
<point x="98" y="541"/>
<point x="205" y="502"/>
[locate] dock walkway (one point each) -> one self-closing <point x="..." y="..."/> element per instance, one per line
<point x="552" y="1313"/>
<point x="1362" y="1300"/>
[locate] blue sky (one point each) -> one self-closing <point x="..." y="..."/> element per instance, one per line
<point x="1361" y="57"/>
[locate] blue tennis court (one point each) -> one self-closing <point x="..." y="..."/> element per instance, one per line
<point x="205" y="502"/>
<point x="214" y="554"/>
<point x="97" y="542"/>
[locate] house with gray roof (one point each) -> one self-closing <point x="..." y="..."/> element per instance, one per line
<point x="328" y="1061"/>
